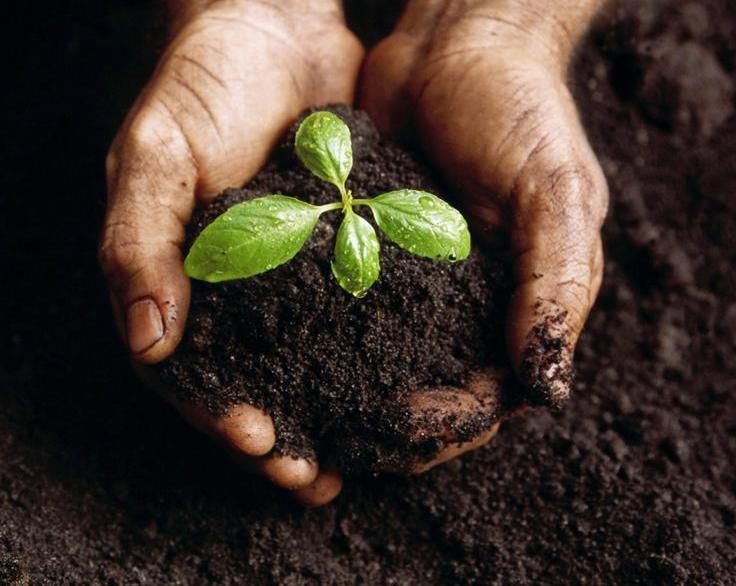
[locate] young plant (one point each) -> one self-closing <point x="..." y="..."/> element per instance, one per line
<point x="263" y="233"/>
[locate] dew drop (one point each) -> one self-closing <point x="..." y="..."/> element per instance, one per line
<point x="426" y="202"/>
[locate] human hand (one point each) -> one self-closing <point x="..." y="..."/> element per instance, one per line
<point x="235" y="74"/>
<point x="482" y="85"/>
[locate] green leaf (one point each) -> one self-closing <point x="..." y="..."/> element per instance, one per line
<point x="422" y="223"/>
<point x="356" y="264"/>
<point x="251" y="238"/>
<point x="323" y="144"/>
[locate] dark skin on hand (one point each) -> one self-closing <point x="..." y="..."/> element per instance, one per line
<point x="480" y="85"/>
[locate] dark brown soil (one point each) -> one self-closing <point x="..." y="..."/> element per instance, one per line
<point x="632" y="483"/>
<point x="331" y="370"/>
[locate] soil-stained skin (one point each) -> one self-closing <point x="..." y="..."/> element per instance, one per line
<point x="546" y="372"/>
<point x="336" y="372"/>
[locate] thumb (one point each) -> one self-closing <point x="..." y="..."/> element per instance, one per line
<point x="151" y="182"/>
<point x="558" y="270"/>
<point x="225" y="90"/>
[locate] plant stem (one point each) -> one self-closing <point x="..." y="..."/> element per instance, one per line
<point x="347" y="197"/>
<point x="328" y="207"/>
<point x="362" y="202"/>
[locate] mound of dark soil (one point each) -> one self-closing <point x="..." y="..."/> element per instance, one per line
<point x="329" y="368"/>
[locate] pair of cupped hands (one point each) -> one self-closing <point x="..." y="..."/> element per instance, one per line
<point x="478" y="84"/>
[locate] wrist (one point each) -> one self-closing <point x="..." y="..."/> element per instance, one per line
<point x="530" y="25"/>
<point x="181" y="12"/>
<point x="559" y="28"/>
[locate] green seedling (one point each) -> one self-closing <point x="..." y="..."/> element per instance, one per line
<point x="258" y="235"/>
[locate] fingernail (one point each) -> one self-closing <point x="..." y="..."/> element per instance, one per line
<point x="546" y="369"/>
<point x="144" y="326"/>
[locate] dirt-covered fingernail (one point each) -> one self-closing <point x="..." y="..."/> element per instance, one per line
<point x="546" y="371"/>
<point x="144" y="325"/>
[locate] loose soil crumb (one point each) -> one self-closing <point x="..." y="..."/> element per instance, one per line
<point x="633" y="482"/>
<point x="327" y="367"/>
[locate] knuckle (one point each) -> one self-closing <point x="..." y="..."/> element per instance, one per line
<point x="146" y="133"/>
<point x="157" y="142"/>
<point x="114" y="260"/>
<point x="568" y="186"/>
<point x="119" y="252"/>
<point x="155" y="136"/>
<point x="574" y="194"/>
<point x="577" y="296"/>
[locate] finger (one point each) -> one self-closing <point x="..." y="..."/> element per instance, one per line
<point x="249" y="434"/>
<point x="448" y="421"/>
<point x="557" y="218"/>
<point x="321" y="491"/>
<point x="151" y="180"/>
<point x="245" y="430"/>
<point x="285" y="471"/>
<point x="457" y="415"/>
<point x="457" y="449"/>
<point x="288" y="472"/>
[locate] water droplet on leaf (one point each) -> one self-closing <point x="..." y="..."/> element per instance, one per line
<point x="426" y="202"/>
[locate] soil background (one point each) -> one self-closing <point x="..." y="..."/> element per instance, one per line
<point x="633" y="482"/>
